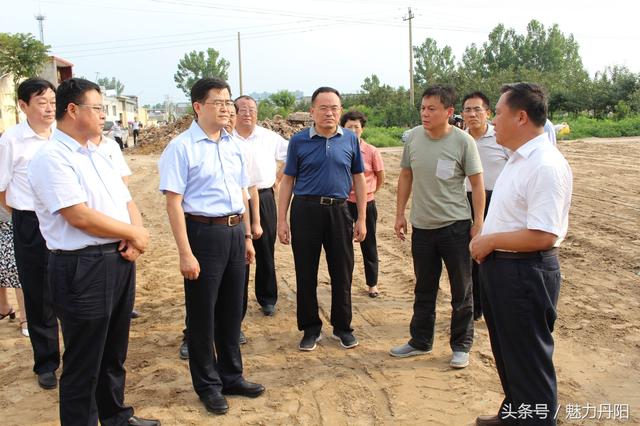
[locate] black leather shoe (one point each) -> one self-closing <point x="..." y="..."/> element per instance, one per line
<point x="215" y="403"/>
<point x="48" y="380"/>
<point x="139" y="421"/>
<point x="184" y="350"/>
<point x="488" y="421"/>
<point x="244" y="388"/>
<point x="242" y="338"/>
<point x="135" y="314"/>
<point x="269" y="310"/>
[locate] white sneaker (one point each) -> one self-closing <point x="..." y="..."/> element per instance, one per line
<point x="459" y="359"/>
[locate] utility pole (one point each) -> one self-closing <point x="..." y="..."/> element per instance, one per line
<point x="40" y="18"/>
<point x="409" y="17"/>
<point x="240" y="63"/>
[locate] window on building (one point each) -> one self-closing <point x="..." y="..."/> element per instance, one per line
<point x="114" y="109"/>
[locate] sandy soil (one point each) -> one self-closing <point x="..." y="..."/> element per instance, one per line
<point x="597" y="334"/>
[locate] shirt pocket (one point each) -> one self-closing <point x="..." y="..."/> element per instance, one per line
<point x="445" y="169"/>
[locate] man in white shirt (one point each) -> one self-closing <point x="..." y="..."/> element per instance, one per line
<point x="518" y="255"/>
<point x="269" y="152"/>
<point x="117" y="133"/>
<point x="94" y="232"/>
<point x="18" y="145"/>
<point x="476" y="111"/>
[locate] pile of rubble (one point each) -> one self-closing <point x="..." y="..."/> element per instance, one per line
<point x="153" y="140"/>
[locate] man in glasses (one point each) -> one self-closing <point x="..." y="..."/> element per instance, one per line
<point x="94" y="232"/>
<point x="18" y="145"/>
<point x="203" y="174"/>
<point x="476" y="111"/>
<point x="323" y="162"/>
<point x="269" y="150"/>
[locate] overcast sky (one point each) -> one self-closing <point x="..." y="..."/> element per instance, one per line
<point x="301" y="44"/>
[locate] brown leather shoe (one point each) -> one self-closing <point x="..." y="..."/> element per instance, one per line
<point x="488" y="420"/>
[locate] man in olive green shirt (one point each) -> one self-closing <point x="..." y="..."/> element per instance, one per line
<point x="436" y="159"/>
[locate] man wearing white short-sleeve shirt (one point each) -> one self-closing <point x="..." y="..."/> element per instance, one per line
<point x="518" y="255"/>
<point x="269" y="150"/>
<point x="94" y="232"/>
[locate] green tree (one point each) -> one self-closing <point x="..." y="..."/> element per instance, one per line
<point x="111" y="84"/>
<point x="284" y="100"/>
<point x="433" y="65"/>
<point x="196" y="65"/>
<point x="22" y="56"/>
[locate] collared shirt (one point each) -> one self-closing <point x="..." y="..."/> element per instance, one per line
<point x="250" y="161"/>
<point x="117" y="130"/>
<point x="372" y="161"/>
<point x="63" y="174"/>
<point x="323" y="166"/>
<point x="18" y="145"/>
<point x="209" y="175"/>
<point x="532" y="192"/>
<point x="551" y="132"/>
<point x="493" y="158"/>
<point x="110" y="150"/>
<point x="267" y="148"/>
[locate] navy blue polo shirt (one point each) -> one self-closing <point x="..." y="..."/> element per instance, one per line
<point x="323" y="166"/>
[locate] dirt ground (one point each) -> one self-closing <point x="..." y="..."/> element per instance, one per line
<point x="597" y="333"/>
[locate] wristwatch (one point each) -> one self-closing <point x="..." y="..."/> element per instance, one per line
<point x="248" y="237"/>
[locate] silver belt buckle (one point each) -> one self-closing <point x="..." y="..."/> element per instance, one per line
<point x="326" y="201"/>
<point x="229" y="218"/>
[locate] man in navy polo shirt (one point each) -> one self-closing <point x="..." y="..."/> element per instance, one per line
<point x="323" y="162"/>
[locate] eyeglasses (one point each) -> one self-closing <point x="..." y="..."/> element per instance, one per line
<point x="247" y="111"/>
<point x="96" y="108"/>
<point x="219" y="104"/>
<point x="334" y="109"/>
<point x="469" y="110"/>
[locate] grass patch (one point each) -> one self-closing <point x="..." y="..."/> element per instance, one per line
<point x="383" y="136"/>
<point x="585" y="127"/>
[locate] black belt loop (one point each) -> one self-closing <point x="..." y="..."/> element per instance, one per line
<point x="325" y="201"/>
<point x="524" y="255"/>
<point x="100" y="249"/>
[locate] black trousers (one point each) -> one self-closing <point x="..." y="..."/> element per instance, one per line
<point x="214" y="305"/>
<point x="314" y="226"/>
<point x="31" y="259"/>
<point x="93" y="297"/>
<point x="136" y="134"/>
<point x="369" y="246"/>
<point x="266" y="284"/>
<point x="429" y="248"/>
<point x="120" y="143"/>
<point x="519" y="302"/>
<point x="475" y="276"/>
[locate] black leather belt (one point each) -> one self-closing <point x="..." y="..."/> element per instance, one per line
<point x="101" y="249"/>
<point x="231" y="220"/>
<point x="524" y="255"/>
<point x="325" y="201"/>
<point x="265" y="189"/>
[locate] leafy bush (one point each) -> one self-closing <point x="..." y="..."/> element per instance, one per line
<point x="383" y="136"/>
<point x="584" y="127"/>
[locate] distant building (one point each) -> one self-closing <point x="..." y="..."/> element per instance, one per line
<point x="55" y="70"/>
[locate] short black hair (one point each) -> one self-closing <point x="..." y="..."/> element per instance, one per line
<point x="72" y="91"/>
<point x="446" y="94"/>
<point x="33" y="87"/>
<point x="324" y="89"/>
<point x="477" y="94"/>
<point x="529" y="97"/>
<point x="235" y="102"/>
<point x="353" y="116"/>
<point x="200" y="90"/>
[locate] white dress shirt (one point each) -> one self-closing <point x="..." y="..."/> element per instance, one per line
<point x="63" y="174"/>
<point x="18" y="145"/>
<point x="110" y="149"/>
<point x="267" y="147"/>
<point x="493" y="158"/>
<point x="532" y="192"/>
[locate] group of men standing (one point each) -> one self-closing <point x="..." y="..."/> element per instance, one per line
<point x="77" y="223"/>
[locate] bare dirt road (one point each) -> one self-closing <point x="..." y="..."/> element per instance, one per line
<point x="597" y="332"/>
